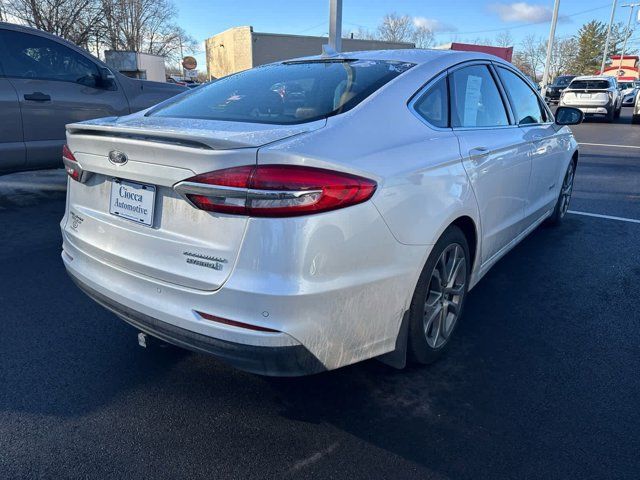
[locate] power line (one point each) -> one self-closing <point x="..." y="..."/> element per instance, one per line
<point x="311" y="28"/>
<point x="523" y="25"/>
<point x="502" y="29"/>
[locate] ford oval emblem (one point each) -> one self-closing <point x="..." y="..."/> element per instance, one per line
<point x="117" y="158"/>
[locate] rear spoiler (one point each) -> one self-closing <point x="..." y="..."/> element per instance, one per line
<point x="171" y="140"/>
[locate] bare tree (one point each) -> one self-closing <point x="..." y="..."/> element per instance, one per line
<point x="73" y="20"/>
<point x="504" y="39"/>
<point x="562" y="54"/>
<point x="422" y="36"/>
<point x="530" y="56"/>
<point x="396" y="28"/>
<point x="144" y="26"/>
<point x="364" y="34"/>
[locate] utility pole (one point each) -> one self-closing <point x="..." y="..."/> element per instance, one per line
<point x="335" y="25"/>
<point x="606" y="42"/>
<point x="181" y="57"/>
<point x="627" y="32"/>
<point x="552" y="36"/>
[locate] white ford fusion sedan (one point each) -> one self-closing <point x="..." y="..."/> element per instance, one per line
<point x="309" y="214"/>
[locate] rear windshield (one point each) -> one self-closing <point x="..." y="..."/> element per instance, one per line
<point x="562" y="81"/>
<point x="589" y="84"/>
<point x="286" y="93"/>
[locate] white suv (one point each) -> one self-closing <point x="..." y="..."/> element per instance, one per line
<point x="594" y="95"/>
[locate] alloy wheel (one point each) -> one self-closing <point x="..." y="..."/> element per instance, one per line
<point x="567" y="189"/>
<point x="444" y="297"/>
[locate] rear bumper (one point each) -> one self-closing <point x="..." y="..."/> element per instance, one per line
<point x="592" y="109"/>
<point x="286" y="361"/>
<point x="337" y="293"/>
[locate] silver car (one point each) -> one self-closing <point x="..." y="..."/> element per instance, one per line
<point x="291" y="235"/>
<point x="47" y="82"/>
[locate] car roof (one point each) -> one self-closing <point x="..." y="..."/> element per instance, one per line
<point x="410" y="55"/>
<point x="594" y="77"/>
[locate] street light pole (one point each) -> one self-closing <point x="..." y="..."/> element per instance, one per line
<point x="627" y="33"/>
<point x="552" y="36"/>
<point x="606" y="42"/>
<point x="335" y="25"/>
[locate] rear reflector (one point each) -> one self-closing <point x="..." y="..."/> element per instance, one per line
<point x="275" y="190"/>
<point x="234" y="323"/>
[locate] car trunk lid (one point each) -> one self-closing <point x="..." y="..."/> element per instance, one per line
<point x="178" y="244"/>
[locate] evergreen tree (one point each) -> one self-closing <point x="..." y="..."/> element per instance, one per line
<point x="590" y="41"/>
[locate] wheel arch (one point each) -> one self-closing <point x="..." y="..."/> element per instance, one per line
<point x="470" y="230"/>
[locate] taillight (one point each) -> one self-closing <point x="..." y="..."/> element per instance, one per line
<point x="275" y="190"/>
<point x="73" y="168"/>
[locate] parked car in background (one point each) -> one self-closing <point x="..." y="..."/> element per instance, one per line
<point x="552" y="95"/>
<point x="629" y="92"/>
<point x="635" y="119"/>
<point x="183" y="81"/>
<point x="594" y="95"/>
<point x="47" y="82"/>
<point x="289" y="236"/>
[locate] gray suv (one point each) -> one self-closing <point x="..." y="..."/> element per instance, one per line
<point x="47" y="82"/>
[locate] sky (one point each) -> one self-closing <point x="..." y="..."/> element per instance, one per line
<point x="452" y="20"/>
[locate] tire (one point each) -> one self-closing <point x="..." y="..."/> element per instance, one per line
<point x="618" y="112"/>
<point x="564" y="197"/>
<point x="635" y="119"/>
<point x="611" y="115"/>
<point x="429" y="340"/>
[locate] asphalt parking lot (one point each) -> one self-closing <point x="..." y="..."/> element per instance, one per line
<point x="543" y="381"/>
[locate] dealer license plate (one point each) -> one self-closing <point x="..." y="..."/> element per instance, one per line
<point x="133" y="201"/>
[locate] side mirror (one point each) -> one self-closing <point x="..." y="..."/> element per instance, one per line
<point x="569" y="116"/>
<point x="107" y="79"/>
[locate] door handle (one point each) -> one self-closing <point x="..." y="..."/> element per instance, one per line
<point x="37" y="97"/>
<point x="478" y="151"/>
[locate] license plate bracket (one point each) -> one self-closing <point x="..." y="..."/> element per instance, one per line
<point x="133" y="201"/>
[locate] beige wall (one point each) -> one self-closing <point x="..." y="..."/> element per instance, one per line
<point x="229" y="52"/>
<point x="270" y="47"/>
<point x="245" y="49"/>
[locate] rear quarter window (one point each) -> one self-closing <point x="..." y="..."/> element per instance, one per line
<point x="433" y="106"/>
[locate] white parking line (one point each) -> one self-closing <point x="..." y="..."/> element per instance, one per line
<point x="607" y="145"/>
<point x="608" y="217"/>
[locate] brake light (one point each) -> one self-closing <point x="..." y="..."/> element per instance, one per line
<point x="275" y="190"/>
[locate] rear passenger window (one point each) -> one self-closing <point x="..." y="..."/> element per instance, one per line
<point x="476" y="100"/>
<point x="524" y="101"/>
<point x="433" y="106"/>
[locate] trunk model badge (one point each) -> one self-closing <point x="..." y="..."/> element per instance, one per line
<point x="118" y="158"/>
<point x="201" y="260"/>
